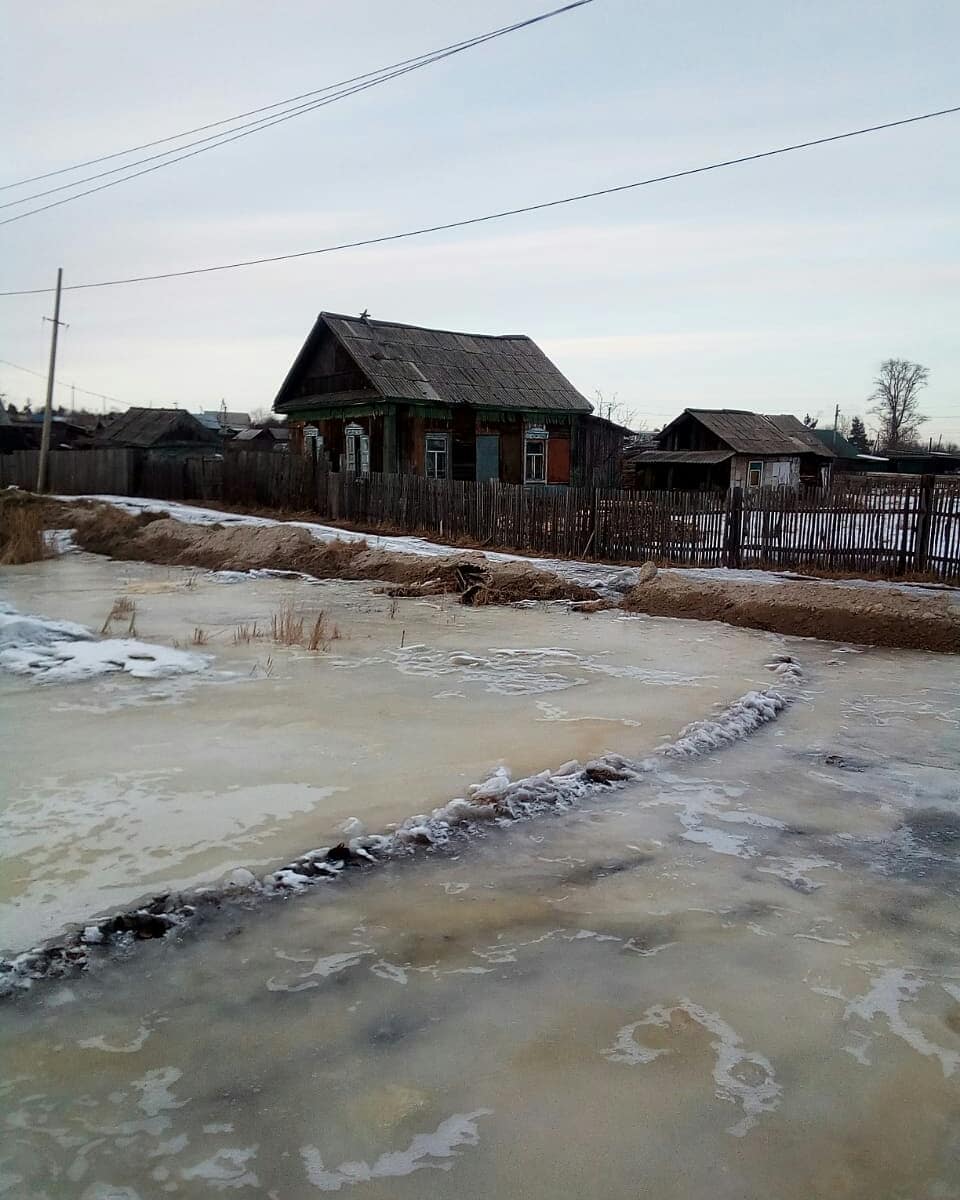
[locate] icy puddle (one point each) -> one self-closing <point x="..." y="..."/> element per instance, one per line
<point x="234" y="752"/>
<point x="739" y="977"/>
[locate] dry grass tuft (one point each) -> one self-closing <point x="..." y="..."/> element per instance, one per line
<point x="318" y="639"/>
<point x="21" y="534"/>
<point x="286" y="627"/>
<point x="200" y="637"/>
<point x="123" y="609"/>
<point x="243" y="635"/>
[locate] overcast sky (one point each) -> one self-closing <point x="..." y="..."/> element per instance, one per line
<point x="777" y="286"/>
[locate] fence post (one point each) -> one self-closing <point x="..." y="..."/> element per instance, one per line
<point x="733" y="533"/>
<point x="921" y="551"/>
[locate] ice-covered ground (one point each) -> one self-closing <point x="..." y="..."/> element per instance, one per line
<point x="122" y="785"/>
<point x="737" y="976"/>
<point x="604" y="577"/>
<point x="65" y="652"/>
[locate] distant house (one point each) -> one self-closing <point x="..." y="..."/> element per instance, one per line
<point x="23" y="431"/>
<point x="924" y="462"/>
<point x="722" y="448"/>
<point x="224" y="422"/>
<point x="848" y="459"/>
<point x="261" y="437"/>
<point x="167" y="431"/>
<point x="376" y="396"/>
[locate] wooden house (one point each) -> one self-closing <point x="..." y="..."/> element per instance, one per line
<point x="271" y="438"/>
<point x="162" y="431"/>
<point x="848" y="460"/>
<point x="723" y="448"/>
<point x="381" y="397"/>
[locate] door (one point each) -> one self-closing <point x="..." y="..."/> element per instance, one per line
<point x="488" y="456"/>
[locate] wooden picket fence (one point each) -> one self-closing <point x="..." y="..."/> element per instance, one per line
<point x="875" y="526"/>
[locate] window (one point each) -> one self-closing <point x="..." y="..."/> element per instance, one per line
<point x="357" y="458"/>
<point x="534" y="459"/>
<point x="436" y="456"/>
<point x="754" y="474"/>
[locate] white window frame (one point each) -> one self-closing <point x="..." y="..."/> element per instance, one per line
<point x="532" y="436"/>
<point x="755" y="466"/>
<point x="432" y="453"/>
<point x="357" y="444"/>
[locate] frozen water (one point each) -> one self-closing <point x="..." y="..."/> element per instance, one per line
<point x="589" y="1003"/>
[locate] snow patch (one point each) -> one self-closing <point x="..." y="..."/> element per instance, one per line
<point x="890" y="989"/>
<point x="741" y="1076"/>
<point x="64" y="652"/>
<point x="437" y="1150"/>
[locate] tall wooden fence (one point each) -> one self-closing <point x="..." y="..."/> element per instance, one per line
<point x="876" y="526"/>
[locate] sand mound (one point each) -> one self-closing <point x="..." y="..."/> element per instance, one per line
<point x="872" y="616"/>
<point x="105" y="530"/>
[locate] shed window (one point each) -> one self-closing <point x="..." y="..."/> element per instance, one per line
<point x="436" y="455"/>
<point x="535" y="457"/>
<point x="754" y="474"/>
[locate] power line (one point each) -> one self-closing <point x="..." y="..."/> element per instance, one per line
<point x="496" y="216"/>
<point x="174" y="137"/>
<point x="360" y="83"/>
<point x="59" y="382"/>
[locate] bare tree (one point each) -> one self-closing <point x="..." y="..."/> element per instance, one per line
<point x="811" y="422"/>
<point x="616" y="410"/>
<point x="895" y="400"/>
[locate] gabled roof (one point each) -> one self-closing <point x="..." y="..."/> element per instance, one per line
<point x="835" y="441"/>
<point x="144" y="427"/>
<point x="439" y="366"/>
<point x="279" y="433"/>
<point x="755" y="433"/>
<point x="218" y="419"/>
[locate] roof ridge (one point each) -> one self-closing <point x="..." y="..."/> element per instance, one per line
<point x="500" y="337"/>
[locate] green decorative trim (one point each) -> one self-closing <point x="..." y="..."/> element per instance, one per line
<point x="440" y="412"/>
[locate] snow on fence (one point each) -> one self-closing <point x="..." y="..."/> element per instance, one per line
<point x="876" y="526"/>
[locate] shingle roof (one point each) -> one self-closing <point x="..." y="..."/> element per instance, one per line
<point x="836" y="442"/>
<point x="413" y="363"/>
<point x="144" y="427"/>
<point x="756" y="433"/>
<point x="641" y="456"/>
<point x="279" y="433"/>
<point x="217" y="419"/>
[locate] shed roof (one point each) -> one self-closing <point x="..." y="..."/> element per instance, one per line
<point x="144" y="427"/>
<point x="756" y="433"/>
<point x="705" y="457"/>
<point x="440" y="366"/>
<point x="279" y="433"/>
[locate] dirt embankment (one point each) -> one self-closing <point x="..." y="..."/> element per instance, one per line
<point x="871" y="616"/>
<point x="159" y="539"/>
<point x="833" y="611"/>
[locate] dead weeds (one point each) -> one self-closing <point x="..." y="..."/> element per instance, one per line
<point x="123" y="609"/>
<point x="21" y="534"/>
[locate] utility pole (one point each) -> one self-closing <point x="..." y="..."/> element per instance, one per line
<point x="836" y="418"/>
<point x="48" y="407"/>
